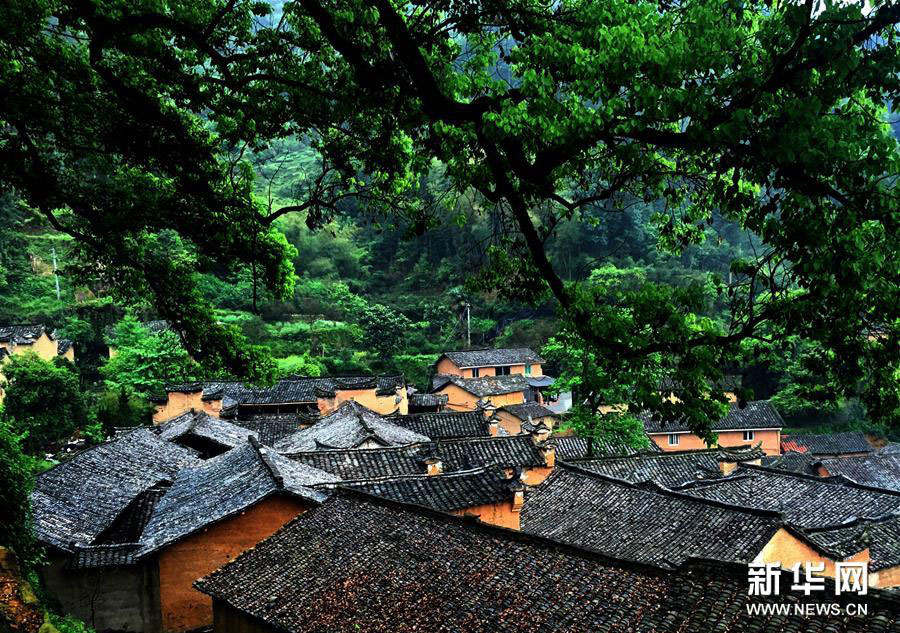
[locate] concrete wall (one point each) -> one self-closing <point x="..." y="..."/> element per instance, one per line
<point x="494" y="513"/>
<point x="119" y="599"/>
<point x="183" y="607"/>
<point x="771" y="441"/>
<point x="461" y="400"/>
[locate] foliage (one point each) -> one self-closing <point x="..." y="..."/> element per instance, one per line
<point x="299" y="365"/>
<point x="145" y="361"/>
<point x="43" y="400"/>
<point x="416" y="368"/>
<point x="16" y="482"/>
<point x="384" y="330"/>
<point x="121" y="409"/>
<point x="69" y="624"/>
<point x="130" y="126"/>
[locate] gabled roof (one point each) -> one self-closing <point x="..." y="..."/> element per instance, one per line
<point x="203" y="425"/>
<point x="646" y="524"/>
<point x="882" y="537"/>
<point x="453" y="491"/>
<point x="455" y="455"/>
<point x="880" y="470"/>
<point x="21" y="334"/>
<point x="758" y="414"/>
<point x="77" y="500"/>
<point x="224" y="486"/>
<point x="807" y="501"/>
<point x="493" y="357"/>
<point x="427" y="399"/>
<point x="573" y="447"/>
<point x="665" y="468"/>
<point x="271" y="427"/>
<point x="528" y="410"/>
<point x="349" y="426"/>
<point x="829" y="444"/>
<point x="445" y="424"/>
<point x="485" y="386"/>
<point x="361" y="563"/>
<point x="792" y="462"/>
<point x="294" y="390"/>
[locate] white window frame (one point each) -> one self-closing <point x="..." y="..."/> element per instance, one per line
<point x="674" y="439"/>
<point x="749" y="435"/>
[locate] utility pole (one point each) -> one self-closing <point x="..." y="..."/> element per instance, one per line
<point x="55" y="276"/>
<point x="468" y="325"/>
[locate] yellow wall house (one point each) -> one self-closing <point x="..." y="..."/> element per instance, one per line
<point x="757" y="422"/>
<point x="20" y="339"/>
<point x="523" y="418"/>
<point x="487" y="393"/>
<point x="490" y="362"/>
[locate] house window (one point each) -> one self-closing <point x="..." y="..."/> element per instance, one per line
<point x="501" y="371"/>
<point x="674" y="439"/>
<point x="748" y="436"/>
<point x="475" y="373"/>
<point x="527" y="370"/>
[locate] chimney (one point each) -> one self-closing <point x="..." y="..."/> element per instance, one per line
<point x="729" y="458"/>
<point x="518" y="494"/>
<point x="493" y="426"/>
<point x="540" y="434"/>
<point x="433" y="465"/>
<point x="548" y="450"/>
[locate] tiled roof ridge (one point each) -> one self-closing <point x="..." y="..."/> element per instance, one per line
<point x="652" y="486"/>
<point x="269" y="465"/>
<point x="840" y="480"/>
<point x="854" y="522"/>
<point x="414" y="476"/>
<point x="430" y="444"/>
<point x="832" y="553"/>
<point x="642" y="453"/>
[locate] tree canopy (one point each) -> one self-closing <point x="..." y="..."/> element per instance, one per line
<point x="129" y="126"/>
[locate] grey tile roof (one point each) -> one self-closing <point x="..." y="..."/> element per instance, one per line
<point x="806" y="500"/>
<point x="453" y="491"/>
<point x="21" y="334"/>
<point x="882" y="537"/>
<point x="203" y="425"/>
<point x="456" y="455"/>
<point x="792" y="462"/>
<point x="485" y="386"/>
<point x="77" y="500"/>
<point x="294" y="390"/>
<point x="757" y="414"/>
<point x="224" y="486"/>
<point x="445" y="424"/>
<point x="494" y="357"/>
<point x="572" y="447"/>
<point x="271" y="427"/>
<point x="63" y="345"/>
<point x="422" y="400"/>
<point x="829" y="444"/>
<point x="96" y="556"/>
<point x="665" y="468"/>
<point x="377" y="566"/>
<point x="528" y="410"/>
<point x="350" y="426"/>
<point x="645" y="524"/>
<point x="880" y="470"/>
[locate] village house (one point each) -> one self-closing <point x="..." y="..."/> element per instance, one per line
<point x="570" y="446"/>
<point x="488" y="393"/>
<point x="848" y="443"/>
<point x="376" y="565"/>
<point x="756" y="422"/>
<point x="879" y="470"/>
<point x="350" y="426"/>
<point x="522" y="418"/>
<point x="493" y="495"/>
<point x="427" y="402"/>
<point x="490" y="362"/>
<point x="36" y="338"/>
<point x="306" y="397"/>
<point x="670" y="468"/>
<point x="534" y="454"/>
<point x="809" y="502"/>
<point x="642" y="523"/>
<point x="136" y="573"/>
<point x="449" y="424"/>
